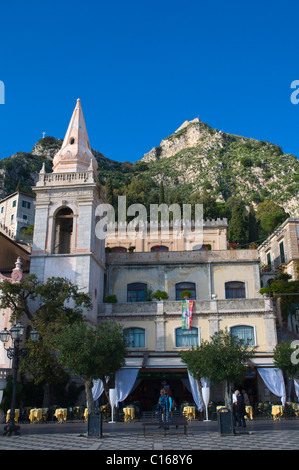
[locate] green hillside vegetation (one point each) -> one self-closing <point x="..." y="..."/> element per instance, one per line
<point x="247" y="181"/>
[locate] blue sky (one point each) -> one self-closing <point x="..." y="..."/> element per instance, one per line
<point x="141" y="68"/>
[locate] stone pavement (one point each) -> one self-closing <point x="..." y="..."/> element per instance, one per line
<point x="259" y="435"/>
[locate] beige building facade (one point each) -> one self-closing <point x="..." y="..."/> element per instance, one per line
<point x="17" y="214"/>
<point x="281" y="248"/>
<point x="211" y="235"/>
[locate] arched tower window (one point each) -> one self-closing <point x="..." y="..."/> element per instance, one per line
<point x="63" y="231"/>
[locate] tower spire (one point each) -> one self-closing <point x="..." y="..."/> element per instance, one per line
<point x="75" y="153"/>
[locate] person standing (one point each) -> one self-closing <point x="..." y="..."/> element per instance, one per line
<point x="168" y="407"/>
<point x="162" y="404"/>
<point x="235" y="408"/>
<point x="241" y="411"/>
<point x="246" y="398"/>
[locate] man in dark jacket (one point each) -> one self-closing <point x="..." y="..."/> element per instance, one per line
<point x="241" y="411"/>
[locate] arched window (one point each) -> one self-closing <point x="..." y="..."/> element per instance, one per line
<point x="181" y="286"/>
<point x="159" y="248"/>
<point x="135" y="337"/>
<point x="186" y="337"/>
<point x="63" y="231"/>
<point x="235" y="290"/>
<point x="118" y="249"/>
<point x="243" y="333"/>
<point x="136" y="292"/>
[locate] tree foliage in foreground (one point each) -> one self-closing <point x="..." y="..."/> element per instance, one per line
<point x="286" y="358"/>
<point x="91" y="352"/>
<point x="223" y="360"/>
<point x="49" y="306"/>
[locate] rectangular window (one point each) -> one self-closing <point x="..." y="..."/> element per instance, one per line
<point x="282" y="254"/>
<point x="12" y="217"/>
<point x="2" y="209"/>
<point x="26" y="204"/>
<point x="244" y="333"/>
<point x="136" y="292"/>
<point x="14" y="203"/>
<point x="269" y="259"/>
<point x="186" y="337"/>
<point x="135" y="337"/>
<point x="24" y="217"/>
<point x="235" y="290"/>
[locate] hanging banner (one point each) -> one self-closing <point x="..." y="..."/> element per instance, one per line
<point x="187" y="309"/>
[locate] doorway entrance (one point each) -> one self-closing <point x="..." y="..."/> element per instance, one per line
<point x="149" y="384"/>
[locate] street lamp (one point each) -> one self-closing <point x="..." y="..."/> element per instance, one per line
<point x="15" y="352"/>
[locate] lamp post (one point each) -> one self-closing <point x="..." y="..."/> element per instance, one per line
<point x="15" y="352"/>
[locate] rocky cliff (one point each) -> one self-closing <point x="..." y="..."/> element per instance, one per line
<point x="226" y="165"/>
<point x="194" y="158"/>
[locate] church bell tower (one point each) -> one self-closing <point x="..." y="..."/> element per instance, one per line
<point x="65" y="242"/>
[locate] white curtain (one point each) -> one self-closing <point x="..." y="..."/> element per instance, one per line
<point x="97" y="389"/>
<point x="273" y="379"/>
<point x="205" y="382"/>
<point x="296" y="385"/>
<point x="195" y="392"/>
<point x="124" y="383"/>
<point x="186" y="384"/>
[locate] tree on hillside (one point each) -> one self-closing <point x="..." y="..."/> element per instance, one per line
<point x="161" y="193"/>
<point x="253" y="235"/>
<point x="109" y="192"/>
<point x="237" y="228"/>
<point x="92" y="352"/>
<point x="208" y="201"/>
<point x="223" y="360"/>
<point x="48" y="306"/>
<point x="269" y="216"/>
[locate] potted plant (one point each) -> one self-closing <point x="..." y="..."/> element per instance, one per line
<point x="186" y="294"/>
<point x="131" y="249"/>
<point x="208" y="247"/>
<point x="110" y="299"/>
<point x="108" y="249"/>
<point x="232" y="245"/>
<point x="160" y="295"/>
<point x="253" y="246"/>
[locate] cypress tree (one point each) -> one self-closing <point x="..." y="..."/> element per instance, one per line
<point x="252" y="226"/>
<point x="237" y="226"/>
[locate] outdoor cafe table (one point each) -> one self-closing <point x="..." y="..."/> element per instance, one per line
<point x="277" y="411"/>
<point x="78" y="411"/>
<point x="129" y="413"/>
<point x="189" y="412"/>
<point x="248" y="409"/>
<point x="36" y="414"/>
<point x="17" y="415"/>
<point x="295" y="407"/>
<point x="61" y="414"/>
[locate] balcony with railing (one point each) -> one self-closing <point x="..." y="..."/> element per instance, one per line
<point x="174" y="308"/>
